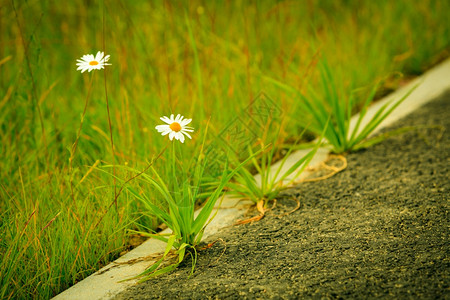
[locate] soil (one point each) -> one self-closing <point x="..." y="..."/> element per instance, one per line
<point x="378" y="229"/>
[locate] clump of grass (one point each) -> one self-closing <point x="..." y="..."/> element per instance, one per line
<point x="179" y="192"/>
<point x="336" y="107"/>
<point x="272" y="179"/>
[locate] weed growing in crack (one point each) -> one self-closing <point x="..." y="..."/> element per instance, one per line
<point x="273" y="178"/>
<point x="178" y="191"/>
<point x="336" y="108"/>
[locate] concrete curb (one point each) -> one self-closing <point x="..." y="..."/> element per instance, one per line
<point x="105" y="283"/>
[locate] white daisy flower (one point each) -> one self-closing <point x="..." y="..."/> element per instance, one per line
<point x="89" y="62"/>
<point x="176" y="127"/>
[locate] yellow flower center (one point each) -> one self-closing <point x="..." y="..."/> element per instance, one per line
<point x="175" y="126"/>
<point x="93" y="63"/>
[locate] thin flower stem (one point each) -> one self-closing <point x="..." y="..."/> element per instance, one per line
<point x="111" y="139"/>
<point x="174" y="172"/>
<point x="109" y="116"/>
<point x="75" y="144"/>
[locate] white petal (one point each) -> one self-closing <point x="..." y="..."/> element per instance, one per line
<point x="178" y="119"/>
<point x="166" y="119"/>
<point x="185" y="122"/>
<point x="162" y="128"/>
<point x="180" y="137"/>
<point x="99" y="56"/>
<point x="188" y="129"/>
<point x="172" y="135"/>
<point x="187" y="134"/>
<point x="166" y="132"/>
<point x="171" y="118"/>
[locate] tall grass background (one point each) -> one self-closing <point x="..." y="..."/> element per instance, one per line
<point x="203" y="59"/>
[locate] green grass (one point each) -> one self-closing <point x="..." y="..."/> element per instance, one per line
<point x="203" y="59"/>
